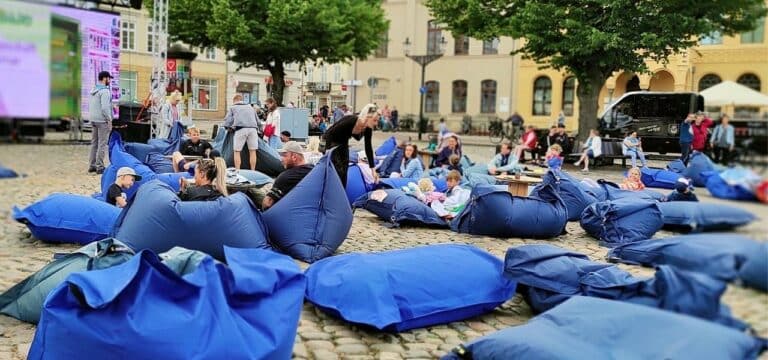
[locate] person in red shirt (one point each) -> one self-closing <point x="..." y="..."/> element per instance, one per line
<point x="529" y="141"/>
<point x="700" y="127"/>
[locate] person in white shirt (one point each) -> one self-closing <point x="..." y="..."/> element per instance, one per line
<point x="592" y="149"/>
<point x="272" y="129"/>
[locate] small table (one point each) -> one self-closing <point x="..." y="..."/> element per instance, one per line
<point x="518" y="187"/>
<point x="427" y="156"/>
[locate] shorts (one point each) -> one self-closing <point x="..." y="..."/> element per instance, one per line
<point x="590" y="153"/>
<point x="247" y="136"/>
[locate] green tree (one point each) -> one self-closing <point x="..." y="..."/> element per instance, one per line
<point x="594" y="38"/>
<point x="271" y="33"/>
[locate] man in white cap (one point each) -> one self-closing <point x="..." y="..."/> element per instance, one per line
<point x="292" y="156"/>
<point x="125" y="178"/>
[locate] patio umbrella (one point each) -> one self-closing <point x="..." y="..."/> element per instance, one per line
<point x="731" y="93"/>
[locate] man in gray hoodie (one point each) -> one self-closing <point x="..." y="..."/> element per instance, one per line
<point x="100" y="115"/>
<point x="242" y="119"/>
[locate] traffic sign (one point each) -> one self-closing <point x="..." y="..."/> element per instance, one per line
<point x="373" y="82"/>
<point x="423" y="90"/>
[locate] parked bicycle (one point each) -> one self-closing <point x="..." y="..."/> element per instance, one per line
<point x="498" y="130"/>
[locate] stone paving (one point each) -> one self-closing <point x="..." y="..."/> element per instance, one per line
<point x="58" y="167"/>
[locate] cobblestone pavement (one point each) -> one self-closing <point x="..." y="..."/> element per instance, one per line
<point x="61" y="168"/>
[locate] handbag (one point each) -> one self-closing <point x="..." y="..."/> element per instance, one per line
<point x="269" y="130"/>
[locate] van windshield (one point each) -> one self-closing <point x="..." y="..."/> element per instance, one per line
<point x="640" y="106"/>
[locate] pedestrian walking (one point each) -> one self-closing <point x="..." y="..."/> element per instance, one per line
<point x="100" y="114"/>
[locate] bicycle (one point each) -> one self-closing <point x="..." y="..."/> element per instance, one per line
<point x="498" y="131"/>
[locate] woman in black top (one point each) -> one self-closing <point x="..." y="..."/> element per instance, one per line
<point x="351" y="126"/>
<point x="210" y="181"/>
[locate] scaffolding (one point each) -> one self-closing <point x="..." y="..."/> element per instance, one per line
<point x="159" y="81"/>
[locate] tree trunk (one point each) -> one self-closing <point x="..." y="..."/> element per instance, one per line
<point x="278" y="82"/>
<point x="588" y="92"/>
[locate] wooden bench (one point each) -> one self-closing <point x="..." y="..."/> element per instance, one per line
<point x="611" y="151"/>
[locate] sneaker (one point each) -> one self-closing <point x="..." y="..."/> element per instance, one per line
<point x="99" y="171"/>
<point x="91" y="169"/>
<point x="577" y="163"/>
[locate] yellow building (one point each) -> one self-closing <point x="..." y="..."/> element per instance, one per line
<point x="480" y="79"/>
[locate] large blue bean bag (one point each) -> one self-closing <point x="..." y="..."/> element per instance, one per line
<point x="721" y="189"/>
<point x="412" y="288"/>
<point x="247" y="310"/>
<point x="474" y="179"/>
<point x="67" y="218"/>
<point x="698" y="164"/>
<point x="573" y="195"/>
<point x="677" y="166"/>
<point x="497" y="213"/>
<point x="658" y="178"/>
<point x="391" y="163"/>
<point x="598" y="329"/>
<point x="157" y="220"/>
<point x="697" y="216"/>
<point x="400" y="209"/>
<point x="159" y="163"/>
<point x="6" y="173"/>
<point x="386" y="147"/>
<point x="311" y="221"/>
<point x="267" y="158"/>
<point x="356" y="184"/>
<point x="140" y="150"/>
<point x="621" y="221"/>
<point x="548" y="275"/>
<point x="397" y="183"/>
<point x="606" y="190"/>
<point x="722" y="255"/>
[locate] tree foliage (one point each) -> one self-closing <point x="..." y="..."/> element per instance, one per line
<point x="594" y="38"/>
<point x="271" y="33"/>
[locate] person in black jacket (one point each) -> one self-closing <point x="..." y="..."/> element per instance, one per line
<point x="351" y="126"/>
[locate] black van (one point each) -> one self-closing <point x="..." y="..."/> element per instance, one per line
<point x="657" y="116"/>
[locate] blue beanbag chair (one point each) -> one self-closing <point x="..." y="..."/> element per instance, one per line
<point x="386" y="147"/>
<point x="356" y="184"/>
<point x="607" y="190"/>
<point x="247" y="310"/>
<point x="697" y="216"/>
<point x="397" y="183"/>
<point x="721" y="189"/>
<point x="407" y="289"/>
<point x="698" y="164"/>
<point x="548" y="275"/>
<point x="590" y="328"/>
<point x="310" y="222"/>
<point x="722" y="255"/>
<point x="157" y="220"/>
<point x="267" y="158"/>
<point x="67" y="218"/>
<point x="621" y="221"/>
<point x="140" y="150"/>
<point x="677" y="166"/>
<point x="497" y="213"/>
<point x="400" y="208"/>
<point x="573" y="195"/>
<point x="159" y="163"/>
<point x="6" y="173"/>
<point x="658" y="178"/>
<point x="391" y="163"/>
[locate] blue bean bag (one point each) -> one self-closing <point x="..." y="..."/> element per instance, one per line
<point x="356" y="184"/>
<point x="677" y="166"/>
<point x="386" y="147"/>
<point x="6" y="173"/>
<point x="267" y="158"/>
<point x="391" y="163"/>
<point x="548" y="275"/>
<point x="725" y="256"/>
<point x="573" y="195"/>
<point x="159" y="163"/>
<point x="407" y="289"/>
<point x="598" y="329"/>
<point x="67" y="218"/>
<point x="658" y="178"/>
<point x="247" y="310"/>
<point x="471" y="180"/>
<point x="255" y="177"/>
<point x="157" y="220"/>
<point x="621" y="221"/>
<point x="721" y="189"/>
<point x="311" y="221"/>
<point x="497" y="213"/>
<point x="607" y="190"/>
<point x="697" y="216"/>
<point x="698" y="164"/>
<point x="400" y="209"/>
<point x="397" y="183"/>
<point x="140" y="150"/>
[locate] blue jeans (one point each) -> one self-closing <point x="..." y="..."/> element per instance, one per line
<point x="634" y="154"/>
<point x="685" y="152"/>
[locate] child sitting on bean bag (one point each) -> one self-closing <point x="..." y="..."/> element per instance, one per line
<point x="553" y="159"/>
<point x="683" y="191"/>
<point x="632" y="181"/>
<point x="456" y="198"/>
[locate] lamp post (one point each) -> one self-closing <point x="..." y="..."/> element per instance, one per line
<point x="423" y="61"/>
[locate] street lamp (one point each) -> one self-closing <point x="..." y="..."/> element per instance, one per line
<point x="423" y="61"/>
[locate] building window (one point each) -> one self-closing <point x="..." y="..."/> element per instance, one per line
<point x="249" y="91"/>
<point x="432" y="97"/>
<point x="459" y="102"/>
<point x="128" y="35"/>
<point x="713" y="38"/>
<point x="542" y="96"/>
<point x="461" y="45"/>
<point x="383" y="50"/>
<point x="569" y="90"/>
<point x="210" y="53"/>
<point x="750" y="80"/>
<point x="128" y="86"/>
<point x="434" y="37"/>
<point x="491" y="47"/>
<point x="488" y="96"/>
<point x="205" y="94"/>
<point x="708" y="81"/>
<point x="324" y="74"/>
<point x="150" y="37"/>
<point x="336" y="73"/>
<point x="310" y="73"/>
<point x="754" y="36"/>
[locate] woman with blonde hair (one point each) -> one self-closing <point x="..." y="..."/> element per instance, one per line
<point x="170" y="114"/>
<point x="210" y="181"/>
<point x="351" y="126"/>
